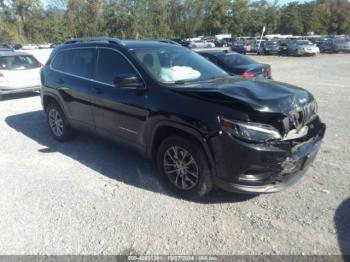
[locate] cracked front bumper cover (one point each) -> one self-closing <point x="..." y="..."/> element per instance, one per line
<point x="264" y="169"/>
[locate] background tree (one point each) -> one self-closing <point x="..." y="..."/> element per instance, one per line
<point x="291" y="20"/>
<point x="57" y="20"/>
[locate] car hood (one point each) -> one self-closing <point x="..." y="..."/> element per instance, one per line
<point x="263" y="96"/>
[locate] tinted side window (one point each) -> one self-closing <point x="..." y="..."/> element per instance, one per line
<point x="78" y="62"/>
<point x="110" y="65"/>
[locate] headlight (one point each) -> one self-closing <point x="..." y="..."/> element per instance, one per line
<point x="249" y="130"/>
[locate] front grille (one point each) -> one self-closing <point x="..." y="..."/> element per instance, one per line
<point x="301" y="116"/>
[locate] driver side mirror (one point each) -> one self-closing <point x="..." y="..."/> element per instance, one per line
<point x="129" y="82"/>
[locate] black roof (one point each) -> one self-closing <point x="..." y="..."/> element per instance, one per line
<point x="128" y="44"/>
<point x="132" y="44"/>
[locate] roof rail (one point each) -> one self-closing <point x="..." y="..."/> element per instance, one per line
<point x="110" y="40"/>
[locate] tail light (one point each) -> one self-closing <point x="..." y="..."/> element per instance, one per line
<point x="1" y="74"/>
<point x="40" y="65"/>
<point x="269" y="72"/>
<point x="248" y="74"/>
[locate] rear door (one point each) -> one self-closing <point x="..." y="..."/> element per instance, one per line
<point x="73" y="72"/>
<point x="118" y="112"/>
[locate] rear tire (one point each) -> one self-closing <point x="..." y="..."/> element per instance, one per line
<point x="58" y="123"/>
<point x="184" y="167"/>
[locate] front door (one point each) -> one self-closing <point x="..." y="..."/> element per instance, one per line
<point x="119" y="112"/>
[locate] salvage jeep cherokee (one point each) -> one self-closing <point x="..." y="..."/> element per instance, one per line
<point x="202" y="127"/>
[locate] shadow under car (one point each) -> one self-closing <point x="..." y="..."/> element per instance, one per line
<point x="106" y="158"/>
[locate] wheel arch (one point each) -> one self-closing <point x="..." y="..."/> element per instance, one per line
<point x="164" y="129"/>
<point x="49" y="98"/>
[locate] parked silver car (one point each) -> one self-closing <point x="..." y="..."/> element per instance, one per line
<point x="302" y="47"/>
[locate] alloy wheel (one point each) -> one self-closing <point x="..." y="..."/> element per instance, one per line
<point x="181" y="167"/>
<point x="56" y="122"/>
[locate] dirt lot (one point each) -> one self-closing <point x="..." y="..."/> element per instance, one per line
<point x="89" y="196"/>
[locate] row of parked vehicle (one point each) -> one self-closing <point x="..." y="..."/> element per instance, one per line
<point x="297" y="47"/>
<point x="289" y="46"/>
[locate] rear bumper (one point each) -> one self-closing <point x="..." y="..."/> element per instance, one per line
<point x="308" y="52"/>
<point x="4" y="91"/>
<point x="251" y="168"/>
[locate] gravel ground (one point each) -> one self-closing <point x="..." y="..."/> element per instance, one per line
<point x="88" y="196"/>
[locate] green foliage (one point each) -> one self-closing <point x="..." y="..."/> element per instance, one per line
<point x="29" y="21"/>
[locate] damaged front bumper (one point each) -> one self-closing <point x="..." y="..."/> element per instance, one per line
<point x="263" y="168"/>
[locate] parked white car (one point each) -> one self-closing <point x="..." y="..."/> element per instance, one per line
<point x="302" y="47"/>
<point x="19" y="73"/>
<point x="29" y="47"/>
<point x="44" y="46"/>
<point x="201" y="44"/>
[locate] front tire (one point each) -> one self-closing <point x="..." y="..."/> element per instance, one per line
<point x="57" y="122"/>
<point x="184" y="167"/>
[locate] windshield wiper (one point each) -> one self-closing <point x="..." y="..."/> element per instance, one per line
<point x="182" y="82"/>
<point x="179" y="82"/>
<point x="212" y="78"/>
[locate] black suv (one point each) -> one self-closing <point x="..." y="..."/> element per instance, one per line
<point x="202" y="127"/>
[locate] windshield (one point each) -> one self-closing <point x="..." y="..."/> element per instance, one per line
<point x="236" y="60"/>
<point x="18" y="62"/>
<point x="304" y="42"/>
<point x="177" y="64"/>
